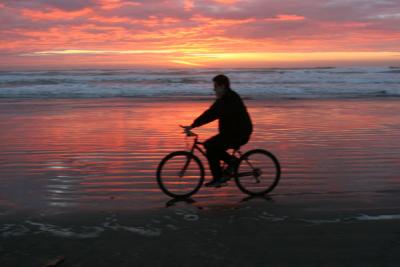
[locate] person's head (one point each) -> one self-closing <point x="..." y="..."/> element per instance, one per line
<point x="221" y="85"/>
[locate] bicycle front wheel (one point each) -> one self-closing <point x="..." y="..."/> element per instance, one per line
<point x="180" y="174"/>
<point x="258" y="172"/>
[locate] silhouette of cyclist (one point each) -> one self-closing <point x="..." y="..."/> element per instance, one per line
<point x="235" y="128"/>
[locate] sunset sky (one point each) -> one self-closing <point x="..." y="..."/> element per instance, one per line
<point x="198" y="33"/>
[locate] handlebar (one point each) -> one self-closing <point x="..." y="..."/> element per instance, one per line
<point x="188" y="132"/>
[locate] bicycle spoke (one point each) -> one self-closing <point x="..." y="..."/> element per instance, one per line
<point x="180" y="174"/>
<point x="258" y="172"/>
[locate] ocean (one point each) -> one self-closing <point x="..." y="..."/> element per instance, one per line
<point x="321" y="82"/>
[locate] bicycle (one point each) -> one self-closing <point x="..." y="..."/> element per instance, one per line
<point x="180" y="174"/>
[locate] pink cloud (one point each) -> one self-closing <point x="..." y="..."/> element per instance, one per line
<point x="55" y="14"/>
<point x="199" y="25"/>
<point x="226" y="2"/>
<point x="285" y="17"/>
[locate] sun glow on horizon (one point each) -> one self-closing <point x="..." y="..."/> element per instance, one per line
<point x="187" y="63"/>
<point x="203" y="58"/>
<point x="198" y="33"/>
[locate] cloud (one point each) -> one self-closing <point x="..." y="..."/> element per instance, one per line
<point x="70" y="5"/>
<point x="55" y="14"/>
<point x="97" y="52"/>
<point x="213" y="26"/>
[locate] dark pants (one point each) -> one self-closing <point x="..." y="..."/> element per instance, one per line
<point x="216" y="148"/>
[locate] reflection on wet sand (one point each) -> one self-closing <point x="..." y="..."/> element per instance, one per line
<point x="103" y="153"/>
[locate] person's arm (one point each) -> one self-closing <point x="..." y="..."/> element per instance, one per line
<point x="209" y="115"/>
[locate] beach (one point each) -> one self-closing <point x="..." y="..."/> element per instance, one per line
<point x="251" y="234"/>
<point x="100" y="165"/>
<point x="78" y="180"/>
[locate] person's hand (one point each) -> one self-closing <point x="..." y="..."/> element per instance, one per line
<point x="186" y="130"/>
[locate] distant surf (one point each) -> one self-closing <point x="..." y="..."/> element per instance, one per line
<point x="320" y="82"/>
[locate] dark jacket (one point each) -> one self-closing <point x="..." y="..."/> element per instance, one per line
<point x="234" y="120"/>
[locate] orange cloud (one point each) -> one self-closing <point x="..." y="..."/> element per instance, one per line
<point x="226" y="2"/>
<point x="284" y="17"/>
<point x="188" y="5"/>
<point x="195" y="33"/>
<point x="112" y="4"/>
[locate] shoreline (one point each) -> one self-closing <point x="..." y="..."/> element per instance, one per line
<point x="79" y="182"/>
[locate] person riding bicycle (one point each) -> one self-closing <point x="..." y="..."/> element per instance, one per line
<point x="235" y="128"/>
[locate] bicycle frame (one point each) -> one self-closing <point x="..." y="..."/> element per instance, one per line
<point x="248" y="164"/>
<point x="255" y="171"/>
<point x="196" y="146"/>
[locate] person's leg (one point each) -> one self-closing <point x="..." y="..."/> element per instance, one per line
<point x="234" y="143"/>
<point x="231" y="142"/>
<point x="226" y="157"/>
<point x="239" y="141"/>
<point x="216" y="148"/>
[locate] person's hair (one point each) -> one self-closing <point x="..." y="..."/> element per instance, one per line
<point x="222" y="80"/>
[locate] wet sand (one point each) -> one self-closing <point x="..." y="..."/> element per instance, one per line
<point x="77" y="179"/>
<point x="254" y="233"/>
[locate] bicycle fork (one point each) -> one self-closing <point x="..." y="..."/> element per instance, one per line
<point x="182" y="172"/>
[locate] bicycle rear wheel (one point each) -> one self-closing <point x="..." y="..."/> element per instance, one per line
<point x="180" y="174"/>
<point x="258" y="172"/>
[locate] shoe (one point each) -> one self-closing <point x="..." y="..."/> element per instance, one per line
<point x="215" y="183"/>
<point x="212" y="183"/>
<point x="224" y="179"/>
